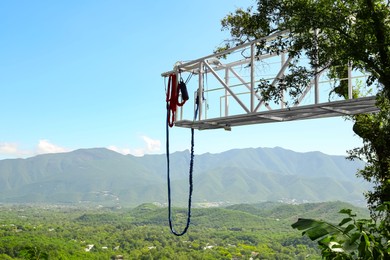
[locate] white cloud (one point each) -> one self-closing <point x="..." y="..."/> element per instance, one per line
<point x="44" y="146"/>
<point x="126" y="151"/>
<point x="151" y="146"/>
<point x="119" y="149"/>
<point x="138" y="152"/>
<point x="11" y="149"/>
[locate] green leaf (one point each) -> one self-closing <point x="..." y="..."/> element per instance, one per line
<point x="346" y="220"/>
<point x="352" y="244"/>
<point x="349" y="228"/>
<point x="346" y="211"/>
<point x="303" y="223"/>
<point x="366" y="239"/>
<point x="316" y="229"/>
<point x="316" y="233"/>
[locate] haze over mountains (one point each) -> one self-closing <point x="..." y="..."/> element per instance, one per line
<point x="100" y="176"/>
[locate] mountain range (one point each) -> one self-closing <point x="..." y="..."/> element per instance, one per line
<point x="99" y="176"/>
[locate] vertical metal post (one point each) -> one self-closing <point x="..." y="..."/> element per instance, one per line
<point x="350" y="93"/>
<point x="316" y="89"/>
<point x="283" y="61"/>
<point x="316" y="62"/>
<point x="200" y="91"/>
<point x="253" y="79"/>
<point x="226" y="92"/>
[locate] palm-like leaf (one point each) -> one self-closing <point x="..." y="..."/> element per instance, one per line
<point x="316" y="229"/>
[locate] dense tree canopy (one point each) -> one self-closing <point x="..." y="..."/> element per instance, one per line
<point x="334" y="34"/>
<point x="239" y="232"/>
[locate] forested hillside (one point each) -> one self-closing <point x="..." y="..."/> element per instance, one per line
<point x="103" y="177"/>
<point x="260" y="231"/>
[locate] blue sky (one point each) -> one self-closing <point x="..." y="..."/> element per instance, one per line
<point x="84" y="74"/>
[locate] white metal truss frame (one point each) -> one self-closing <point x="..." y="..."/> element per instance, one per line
<point x="253" y="114"/>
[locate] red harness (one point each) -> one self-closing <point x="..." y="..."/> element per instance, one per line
<point x="173" y="94"/>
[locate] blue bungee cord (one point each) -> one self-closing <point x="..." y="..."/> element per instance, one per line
<point x="190" y="178"/>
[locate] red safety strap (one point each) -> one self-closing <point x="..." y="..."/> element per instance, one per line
<point x="173" y="98"/>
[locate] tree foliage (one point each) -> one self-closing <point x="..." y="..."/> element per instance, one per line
<point x="330" y="33"/>
<point x="333" y="34"/>
<point x="142" y="233"/>
<point x="352" y="238"/>
<point x="374" y="129"/>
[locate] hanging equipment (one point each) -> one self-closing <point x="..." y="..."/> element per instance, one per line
<point x="173" y="94"/>
<point x="172" y="100"/>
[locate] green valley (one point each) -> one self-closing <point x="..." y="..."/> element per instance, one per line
<point x="242" y="231"/>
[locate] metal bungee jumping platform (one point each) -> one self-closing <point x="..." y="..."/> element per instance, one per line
<point x="227" y="81"/>
<point x="324" y="110"/>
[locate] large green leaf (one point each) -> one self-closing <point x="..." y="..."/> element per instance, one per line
<point x="316" y="229"/>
